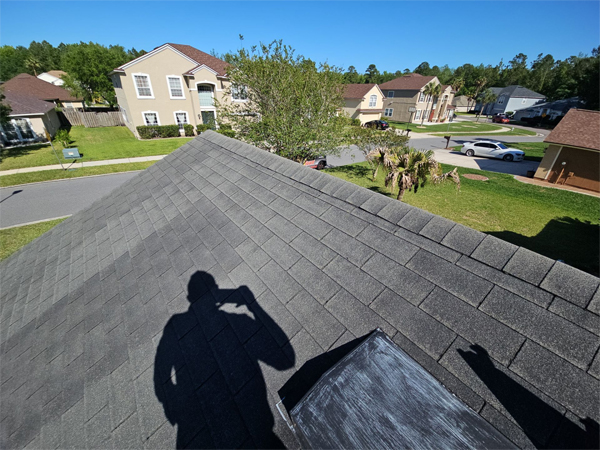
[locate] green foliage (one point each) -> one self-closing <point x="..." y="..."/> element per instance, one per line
<point x="5" y="109"/>
<point x="226" y="132"/>
<point x="158" y="131"/>
<point x="188" y="129"/>
<point x="202" y="127"/>
<point x="355" y="122"/>
<point x="292" y="104"/>
<point x="63" y="137"/>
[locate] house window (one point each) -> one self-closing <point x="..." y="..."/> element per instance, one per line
<point x="388" y="112"/>
<point x="524" y="100"/>
<point x="418" y="114"/>
<point x="181" y="118"/>
<point x="151" y="118"/>
<point x="239" y="93"/>
<point x="372" y="101"/>
<point x="175" y="87"/>
<point x="421" y="97"/>
<point x="116" y="79"/>
<point x="18" y="130"/>
<point x="205" y="96"/>
<point x="143" y="86"/>
<point x="390" y="94"/>
<point x="501" y="100"/>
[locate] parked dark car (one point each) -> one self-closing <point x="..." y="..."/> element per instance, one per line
<point x="500" y="118"/>
<point x="377" y="124"/>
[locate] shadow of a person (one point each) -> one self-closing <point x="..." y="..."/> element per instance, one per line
<point x="543" y="424"/>
<point x="207" y="375"/>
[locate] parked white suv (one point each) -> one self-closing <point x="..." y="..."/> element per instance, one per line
<point x="492" y="149"/>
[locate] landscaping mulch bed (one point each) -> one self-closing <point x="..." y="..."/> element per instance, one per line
<point x="472" y="176"/>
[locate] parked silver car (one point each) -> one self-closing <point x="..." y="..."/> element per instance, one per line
<point x="492" y="149"/>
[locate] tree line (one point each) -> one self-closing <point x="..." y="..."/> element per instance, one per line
<point x="576" y="76"/>
<point x="87" y="65"/>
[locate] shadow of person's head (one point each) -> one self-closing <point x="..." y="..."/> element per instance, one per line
<point x="200" y="283"/>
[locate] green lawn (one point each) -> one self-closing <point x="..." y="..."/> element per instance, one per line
<point x="455" y="127"/>
<point x="95" y="144"/>
<point x="12" y="239"/>
<point x="559" y="224"/>
<point x="48" y="175"/>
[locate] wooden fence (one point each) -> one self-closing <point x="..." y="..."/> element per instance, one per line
<point x="93" y="119"/>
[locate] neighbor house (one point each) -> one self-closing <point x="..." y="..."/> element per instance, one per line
<point x="407" y="92"/>
<point x="172" y="84"/>
<point x="363" y="102"/>
<point x="510" y="99"/>
<point x="552" y="110"/>
<point x="573" y="156"/>
<point x="462" y="103"/>
<point x="53" y="77"/>
<point x="31" y="86"/>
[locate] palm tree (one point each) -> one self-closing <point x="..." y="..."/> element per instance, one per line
<point x="33" y="64"/>
<point x="408" y="168"/>
<point x="431" y="90"/>
<point x="458" y="84"/>
<point x="486" y="98"/>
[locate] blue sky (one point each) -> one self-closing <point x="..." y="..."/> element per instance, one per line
<point x="391" y="35"/>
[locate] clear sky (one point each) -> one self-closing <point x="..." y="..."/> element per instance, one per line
<point x="393" y="35"/>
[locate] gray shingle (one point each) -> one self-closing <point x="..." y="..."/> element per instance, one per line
<point x="500" y="341"/>
<point x="279" y="281"/>
<point x="348" y="223"/>
<point x="581" y="317"/>
<point x="559" y="335"/>
<point x="319" y="285"/>
<point x="563" y="381"/>
<point x="422" y="329"/>
<point x="316" y="252"/>
<point x="394" y="211"/>
<point x="494" y="252"/>
<point x="571" y="284"/>
<point x="455" y="280"/>
<point x="355" y="252"/>
<point x="393" y="247"/>
<point x="528" y="266"/>
<point x="281" y="252"/>
<point x="415" y="220"/>
<point x="594" y="305"/>
<point x="437" y="228"/>
<point x="463" y="239"/>
<point x="363" y="286"/>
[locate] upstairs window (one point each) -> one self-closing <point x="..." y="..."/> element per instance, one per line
<point x="239" y="92"/>
<point x="390" y="94"/>
<point x="175" y="87"/>
<point x="421" y="97"/>
<point x="389" y="112"/>
<point x="372" y="101"/>
<point x="142" y="85"/>
<point x="501" y="100"/>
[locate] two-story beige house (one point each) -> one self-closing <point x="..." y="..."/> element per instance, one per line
<point x="172" y="84"/>
<point x="363" y="102"/>
<point x="405" y="93"/>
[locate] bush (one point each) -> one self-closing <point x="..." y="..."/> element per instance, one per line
<point x="189" y="129"/>
<point x="226" y="132"/>
<point x="63" y="137"/>
<point x="355" y="122"/>
<point x="225" y="126"/>
<point x="203" y="127"/>
<point x="158" y="131"/>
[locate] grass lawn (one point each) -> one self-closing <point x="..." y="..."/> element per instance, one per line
<point x="47" y="175"/>
<point x="455" y="127"/>
<point x="559" y="224"/>
<point x="12" y="239"/>
<point x="96" y="144"/>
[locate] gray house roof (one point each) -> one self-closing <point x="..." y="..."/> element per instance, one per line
<point x="516" y="91"/>
<point x="178" y="309"/>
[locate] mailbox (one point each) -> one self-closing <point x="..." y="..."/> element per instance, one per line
<point x="71" y="153"/>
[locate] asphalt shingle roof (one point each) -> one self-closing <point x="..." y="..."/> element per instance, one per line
<point x="25" y="84"/>
<point x="579" y="128"/>
<point x="178" y="309"/>
<point x="357" y="90"/>
<point x="411" y="82"/>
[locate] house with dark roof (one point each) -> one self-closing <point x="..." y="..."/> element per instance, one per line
<point x="462" y="103"/>
<point x="363" y="102"/>
<point x="510" y="99"/>
<point x="172" y="84"/>
<point x="552" y="110"/>
<point x="407" y="92"/>
<point x="32" y="102"/>
<point x="179" y="309"/>
<point x="573" y="156"/>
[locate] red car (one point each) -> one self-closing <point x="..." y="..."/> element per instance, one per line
<point x="500" y="118"/>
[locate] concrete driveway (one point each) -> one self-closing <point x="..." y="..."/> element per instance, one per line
<point x="493" y="165"/>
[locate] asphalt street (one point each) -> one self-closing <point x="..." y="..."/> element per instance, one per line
<point x="41" y="201"/>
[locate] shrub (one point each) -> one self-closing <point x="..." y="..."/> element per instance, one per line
<point x="203" y="127"/>
<point x="158" y="131"/>
<point x="63" y="137"/>
<point x="355" y="122"/>
<point x="226" y="132"/>
<point x="189" y="129"/>
<point x="225" y="126"/>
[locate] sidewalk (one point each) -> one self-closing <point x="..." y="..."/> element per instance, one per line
<point x="564" y="187"/>
<point x="106" y="162"/>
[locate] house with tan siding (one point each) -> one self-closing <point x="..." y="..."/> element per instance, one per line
<point x="172" y="84"/>
<point x="407" y="92"/>
<point x="573" y="156"/>
<point x="363" y="102"/>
